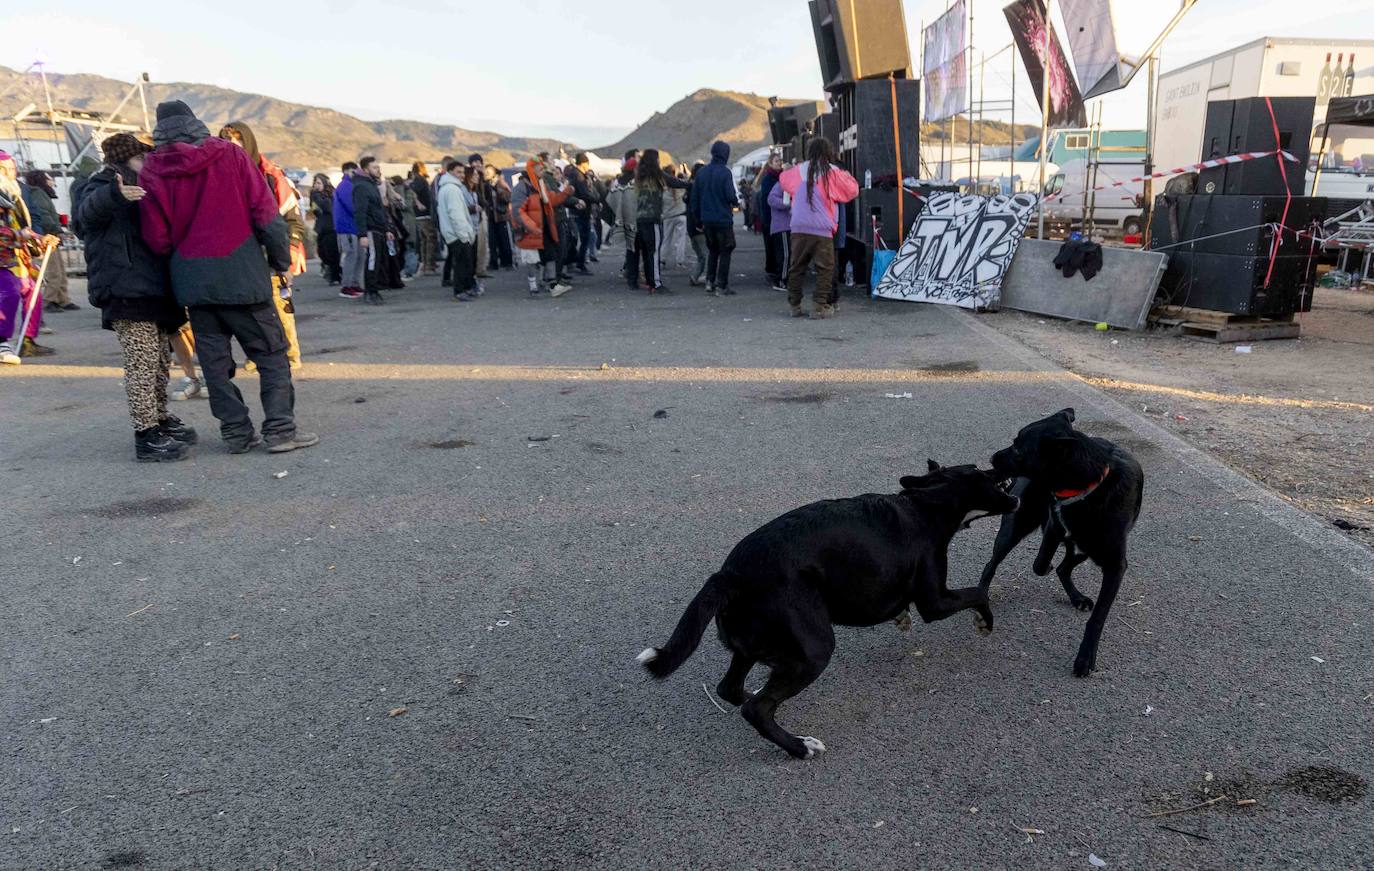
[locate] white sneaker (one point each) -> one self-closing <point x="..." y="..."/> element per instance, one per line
<point x="7" y="354"/>
<point x="188" y="388"/>
<point x="558" y="290"/>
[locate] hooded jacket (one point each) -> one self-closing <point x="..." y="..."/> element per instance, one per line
<point x="817" y="216"/>
<point x="323" y="205"/>
<point x="369" y="213"/>
<point x="714" y="199"/>
<point x="283" y="191"/>
<point x="534" y="208"/>
<point x="124" y="278"/>
<point x="42" y="211"/>
<point x="208" y="210"/>
<point x="343" y="206"/>
<point x="455" y="222"/>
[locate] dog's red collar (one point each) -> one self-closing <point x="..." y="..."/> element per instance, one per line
<point x="1069" y="496"/>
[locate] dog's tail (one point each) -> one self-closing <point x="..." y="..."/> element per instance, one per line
<point x="663" y="661"/>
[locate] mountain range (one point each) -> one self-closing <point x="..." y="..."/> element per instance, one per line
<point x="296" y="135"/>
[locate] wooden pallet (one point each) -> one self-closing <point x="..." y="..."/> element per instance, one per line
<point x="1223" y="327"/>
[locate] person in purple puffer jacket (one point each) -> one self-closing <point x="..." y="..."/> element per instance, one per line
<point x="780" y="232"/>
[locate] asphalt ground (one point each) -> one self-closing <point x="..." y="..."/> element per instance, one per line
<point x="200" y="658"/>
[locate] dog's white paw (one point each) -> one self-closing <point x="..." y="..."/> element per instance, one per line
<point x="649" y="654"/>
<point x="813" y="745"/>
<point x="981" y="625"/>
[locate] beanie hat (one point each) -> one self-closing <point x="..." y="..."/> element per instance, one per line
<point x="121" y="147"/>
<point x="173" y="107"/>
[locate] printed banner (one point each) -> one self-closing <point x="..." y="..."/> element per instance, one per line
<point x="945" y="73"/>
<point x="959" y="249"/>
<point x="1026" y="18"/>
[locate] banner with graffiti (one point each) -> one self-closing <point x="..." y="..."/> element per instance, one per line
<point x="1026" y="18"/>
<point x="959" y="249"/>
<point x="945" y="75"/>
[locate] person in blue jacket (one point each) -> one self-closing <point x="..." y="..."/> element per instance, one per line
<point x="714" y="201"/>
<point x="353" y="259"/>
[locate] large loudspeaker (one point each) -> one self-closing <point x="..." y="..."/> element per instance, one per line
<point x="865" y="127"/>
<point x="1238" y="126"/>
<point x="860" y="40"/>
<point x="1235" y="283"/>
<point x="881" y="203"/>
<point x="1204" y="217"/>
<point x="786" y="123"/>
<point x="782" y="125"/>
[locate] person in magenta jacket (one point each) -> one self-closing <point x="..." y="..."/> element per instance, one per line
<point x="815" y="187"/>
<point x="206" y="208"/>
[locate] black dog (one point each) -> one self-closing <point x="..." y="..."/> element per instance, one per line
<point x="1084" y="493"/>
<point x="855" y="562"/>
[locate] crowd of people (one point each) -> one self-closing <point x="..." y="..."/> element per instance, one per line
<point x="193" y="240"/>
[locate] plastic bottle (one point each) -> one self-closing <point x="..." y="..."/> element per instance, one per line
<point x="391" y="247"/>
<point x="868" y="179"/>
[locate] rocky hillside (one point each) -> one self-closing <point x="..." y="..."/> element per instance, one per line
<point x="687" y="129"/>
<point x="291" y="133"/>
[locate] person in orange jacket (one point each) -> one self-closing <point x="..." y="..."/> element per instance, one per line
<point x="288" y="204"/>
<point x="536" y="228"/>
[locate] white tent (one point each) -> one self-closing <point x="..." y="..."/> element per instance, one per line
<point x="748" y="165"/>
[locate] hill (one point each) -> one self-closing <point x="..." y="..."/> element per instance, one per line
<point x="689" y="126"/>
<point x="290" y="133"/>
<point x="986" y="132"/>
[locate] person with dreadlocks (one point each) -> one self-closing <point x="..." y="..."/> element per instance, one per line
<point x="815" y="185"/>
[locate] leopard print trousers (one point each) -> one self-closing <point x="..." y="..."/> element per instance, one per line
<point x="147" y="357"/>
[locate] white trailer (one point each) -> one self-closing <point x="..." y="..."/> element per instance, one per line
<point x="1267" y="67"/>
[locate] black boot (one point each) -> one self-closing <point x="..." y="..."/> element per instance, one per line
<point x="151" y="445"/>
<point x="174" y="429"/>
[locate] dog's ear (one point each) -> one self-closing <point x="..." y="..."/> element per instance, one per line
<point x="1067" y="414"/>
<point x="909" y="482"/>
<point x="932" y="466"/>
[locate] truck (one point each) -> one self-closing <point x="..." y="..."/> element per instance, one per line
<point x="1266" y="67"/>
<point x="1071" y="144"/>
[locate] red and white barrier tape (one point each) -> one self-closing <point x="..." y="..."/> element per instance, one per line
<point x="1206" y="164"/>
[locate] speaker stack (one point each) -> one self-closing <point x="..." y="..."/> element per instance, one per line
<point x="866" y="68"/>
<point x="1219" y="240"/>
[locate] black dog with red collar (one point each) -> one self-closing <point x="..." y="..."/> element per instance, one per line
<point x="1083" y="493"/>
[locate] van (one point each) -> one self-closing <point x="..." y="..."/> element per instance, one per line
<point x="1117" y="209"/>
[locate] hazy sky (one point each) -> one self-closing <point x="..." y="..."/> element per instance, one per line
<point x="527" y="66"/>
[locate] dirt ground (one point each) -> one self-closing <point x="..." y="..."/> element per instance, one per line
<point x="1294" y="414"/>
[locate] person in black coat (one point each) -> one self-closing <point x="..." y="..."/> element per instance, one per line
<point x="326" y="241"/>
<point x="374" y="229"/>
<point x="131" y="287"/>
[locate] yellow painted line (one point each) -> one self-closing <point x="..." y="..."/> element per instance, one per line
<point x="1230" y="398"/>
<point x="357" y="372"/>
<point x="452" y="372"/>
